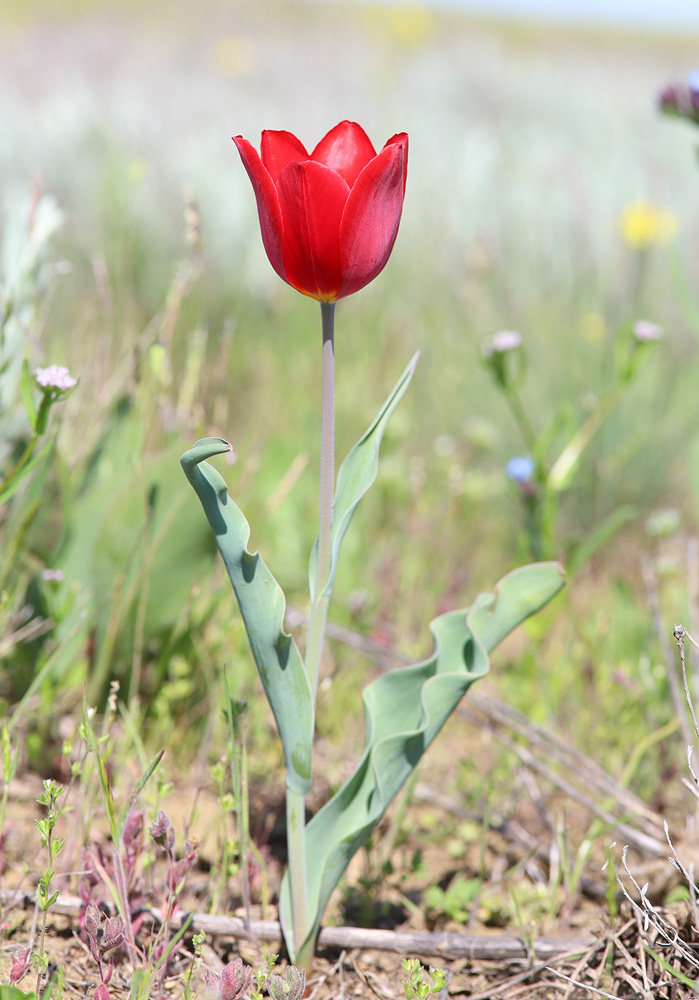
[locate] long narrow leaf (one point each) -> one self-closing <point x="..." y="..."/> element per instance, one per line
<point x="262" y="605"/>
<point x="357" y="473"/>
<point x="404" y="710"/>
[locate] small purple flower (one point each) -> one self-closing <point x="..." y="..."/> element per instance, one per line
<point x="644" y="331"/>
<point x="178" y="871"/>
<point x="113" y="934"/>
<point x="55" y="377"/>
<point x="502" y="341"/>
<point x="520" y="469"/>
<point x="682" y="98"/>
<point x="233" y="983"/>
<point x="92" y="919"/>
<point x="162" y="832"/>
<point x="133" y="828"/>
<point x="20" y="965"/>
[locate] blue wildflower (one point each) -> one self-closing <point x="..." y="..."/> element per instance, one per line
<point x="520" y="469"/>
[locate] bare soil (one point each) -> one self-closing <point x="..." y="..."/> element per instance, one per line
<point x="531" y="930"/>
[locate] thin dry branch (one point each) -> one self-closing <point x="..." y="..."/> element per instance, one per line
<point x="584" y="986"/>
<point x="693" y="596"/>
<point x="25" y="633"/>
<point x="644" y="843"/>
<point x="585" y="963"/>
<point x="680" y="633"/>
<point x="522" y="977"/>
<point x="590" y="774"/>
<point x="495" y="948"/>
<point x="651" y="584"/>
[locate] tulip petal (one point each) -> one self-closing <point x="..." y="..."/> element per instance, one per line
<point x="372" y="214"/>
<point x="268" y="206"/>
<point x="347" y="149"/>
<point x="312" y="198"/>
<point x="278" y="148"/>
<point x="400" y="138"/>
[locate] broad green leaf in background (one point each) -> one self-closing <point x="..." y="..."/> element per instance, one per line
<point x="262" y="605"/>
<point x="404" y="710"/>
<point x="357" y="473"/>
<point x="132" y="536"/>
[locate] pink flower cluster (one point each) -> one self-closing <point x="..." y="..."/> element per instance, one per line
<point x="55" y="377"/>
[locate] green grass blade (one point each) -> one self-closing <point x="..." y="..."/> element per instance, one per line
<point x="664" y="964"/>
<point x="102" y="775"/>
<point x="357" y="473"/>
<point x="140" y="785"/>
<point x="404" y="710"/>
<point x="262" y="605"/>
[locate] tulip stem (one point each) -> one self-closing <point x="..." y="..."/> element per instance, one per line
<point x="321" y="590"/>
<point x="296" y="849"/>
<point x="295" y="810"/>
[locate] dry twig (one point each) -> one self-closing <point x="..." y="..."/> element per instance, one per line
<point x="443" y="944"/>
<point x="651" y="584"/>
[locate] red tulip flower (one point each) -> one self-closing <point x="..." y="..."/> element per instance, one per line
<point x="330" y="218"/>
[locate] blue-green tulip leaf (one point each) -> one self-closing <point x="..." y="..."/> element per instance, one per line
<point x="356" y="475"/>
<point x="404" y="710"/>
<point x="262" y="604"/>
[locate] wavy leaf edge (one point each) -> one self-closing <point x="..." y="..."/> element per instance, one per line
<point x="204" y="478"/>
<point x="484" y="602"/>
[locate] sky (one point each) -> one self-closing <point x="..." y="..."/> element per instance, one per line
<point x="661" y="14"/>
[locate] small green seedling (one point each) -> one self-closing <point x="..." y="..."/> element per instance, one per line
<point x="416" y="985"/>
<point x="45" y="896"/>
<point x="198" y="942"/>
<point x="291" y="988"/>
<point x="262" y="974"/>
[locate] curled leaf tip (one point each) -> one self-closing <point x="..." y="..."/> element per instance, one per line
<point x="204" y="449"/>
<point x="220" y="444"/>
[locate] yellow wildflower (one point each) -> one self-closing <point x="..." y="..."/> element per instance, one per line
<point x="643" y="224"/>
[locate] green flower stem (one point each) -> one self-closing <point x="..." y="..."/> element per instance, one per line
<point x="296" y="849"/>
<point x="563" y="468"/>
<point x="321" y="594"/>
<point x="521" y="418"/>
<point x="295" y="802"/>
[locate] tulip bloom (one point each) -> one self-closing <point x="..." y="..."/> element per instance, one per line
<point x="329" y="219"/>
